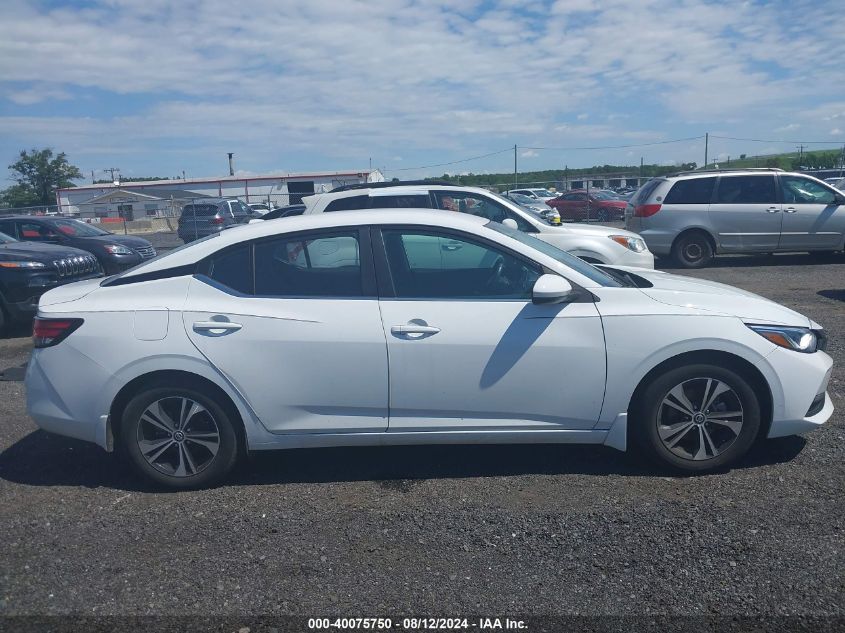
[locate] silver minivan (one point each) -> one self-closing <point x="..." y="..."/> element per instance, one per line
<point x="694" y="216"/>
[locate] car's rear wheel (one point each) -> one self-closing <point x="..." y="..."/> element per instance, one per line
<point x="178" y="437"/>
<point x="697" y="418"/>
<point x="693" y="250"/>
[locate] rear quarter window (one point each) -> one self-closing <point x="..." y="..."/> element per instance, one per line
<point x="692" y="191"/>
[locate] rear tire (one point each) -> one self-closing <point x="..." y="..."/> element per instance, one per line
<point x="696" y="419"/>
<point x="692" y="250"/>
<point x="178" y="437"/>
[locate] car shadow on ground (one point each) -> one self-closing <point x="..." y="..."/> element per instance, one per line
<point x="838" y="295"/>
<point x="16" y="330"/>
<point x="43" y="459"/>
<point x="749" y="261"/>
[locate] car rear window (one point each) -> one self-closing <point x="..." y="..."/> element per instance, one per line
<point x="201" y="210"/>
<point x="644" y="192"/>
<point x="692" y="191"/>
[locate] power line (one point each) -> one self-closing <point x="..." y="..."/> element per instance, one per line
<point x="572" y="149"/>
<point x="454" y="162"/>
<point x="758" y="140"/>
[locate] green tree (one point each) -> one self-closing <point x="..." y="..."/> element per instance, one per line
<point x="37" y="174"/>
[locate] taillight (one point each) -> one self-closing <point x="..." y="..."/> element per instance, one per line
<point x="216" y="220"/>
<point x="48" y="332"/>
<point x="646" y="210"/>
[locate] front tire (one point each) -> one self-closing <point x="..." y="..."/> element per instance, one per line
<point x="692" y="250"/>
<point x="178" y="437"/>
<point x="696" y="419"/>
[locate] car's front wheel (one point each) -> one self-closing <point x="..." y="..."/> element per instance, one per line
<point x="178" y="437"/>
<point x="697" y="418"/>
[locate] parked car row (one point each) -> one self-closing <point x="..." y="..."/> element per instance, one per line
<point x="38" y="253"/>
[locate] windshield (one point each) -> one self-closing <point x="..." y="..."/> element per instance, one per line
<point x="545" y="193"/>
<point x="575" y="263"/>
<point x="75" y="228"/>
<point x="522" y="199"/>
<point x="6" y="239"/>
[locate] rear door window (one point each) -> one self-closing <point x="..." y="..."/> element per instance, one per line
<point x="318" y="265"/>
<point x="746" y="190"/>
<point x="693" y="191"/>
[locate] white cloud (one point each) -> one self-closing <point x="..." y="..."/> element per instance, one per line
<point x="529" y="154"/>
<point x="441" y="78"/>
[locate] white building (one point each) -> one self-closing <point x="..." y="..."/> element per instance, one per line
<point x="279" y="190"/>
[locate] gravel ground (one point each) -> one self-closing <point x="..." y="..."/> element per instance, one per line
<point x="437" y="530"/>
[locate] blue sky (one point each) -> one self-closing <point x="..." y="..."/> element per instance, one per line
<point x="158" y="87"/>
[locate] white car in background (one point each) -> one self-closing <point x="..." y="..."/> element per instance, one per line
<point x="413" y="327"/>
<point x="536" y="193"/>
<point x="594" y="244"/>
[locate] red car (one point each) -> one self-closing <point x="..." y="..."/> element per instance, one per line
<point x="601" y="206"/>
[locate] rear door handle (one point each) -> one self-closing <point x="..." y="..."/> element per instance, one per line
<point x="210" y="326"/>
<point x="773" y="209"/>
<point x="790" y="209"/>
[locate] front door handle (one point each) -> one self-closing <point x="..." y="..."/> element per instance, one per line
<point x="790" y="209"/>
<point x="211" y="326"/>
<point x="414" y="329"/>
<point x="773" y="209"/>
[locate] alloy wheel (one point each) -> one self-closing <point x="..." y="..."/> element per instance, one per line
<point x="178" y="436"/>
<point x="700" y="418"/>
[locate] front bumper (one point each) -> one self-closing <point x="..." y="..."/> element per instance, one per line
<point x="801" y="378"/>
<point x="626" y="257"/>
<point x="114" y="264"/>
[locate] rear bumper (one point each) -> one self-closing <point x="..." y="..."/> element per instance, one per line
<point x="73" y="375"/>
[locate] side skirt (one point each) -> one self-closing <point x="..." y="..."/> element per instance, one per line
<point x="387" y="438"/>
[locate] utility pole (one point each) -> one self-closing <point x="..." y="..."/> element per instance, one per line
<point x="92" y="177"/>
<point x="515" y="177"/>
<point x="706" y="147"/>
<point x="111" y="170"/>
<point x="800" y="155"/>
<point x="639" y="180"/>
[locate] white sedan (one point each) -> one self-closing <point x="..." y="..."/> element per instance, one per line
<point x="413" y="327"/>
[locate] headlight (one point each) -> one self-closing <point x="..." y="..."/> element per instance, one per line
<point x="117" y="249"/>
<point x="636" y="244"/>
<point x="22" y="265"/>
<point x="799" y="339"/>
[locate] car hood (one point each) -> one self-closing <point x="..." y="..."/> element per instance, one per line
<point x="688" y="292"/>
<point x="124" y="240"/>
<point x="32" y="251"/>
<point x="594" y="230"/>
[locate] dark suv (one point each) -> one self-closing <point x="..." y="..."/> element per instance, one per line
<point x="201" y="219"/>
<point x="29" y="270"/>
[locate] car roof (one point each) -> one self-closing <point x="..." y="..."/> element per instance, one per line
<point x="340" y="219"/>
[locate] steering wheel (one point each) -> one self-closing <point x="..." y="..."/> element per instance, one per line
<point x="496" y="272"/>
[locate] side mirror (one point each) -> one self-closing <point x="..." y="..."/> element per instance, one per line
<point x="552" y="289"/>
<point x="510" y="223"/>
